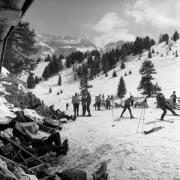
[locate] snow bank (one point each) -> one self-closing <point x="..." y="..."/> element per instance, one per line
<point x="4" y="72"/>
<point x="4" y="110"/>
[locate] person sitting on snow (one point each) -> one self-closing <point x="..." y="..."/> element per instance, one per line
<point x="58" y="114"/>
<point x="128" y="103"/>
<point x="164" y="105"/>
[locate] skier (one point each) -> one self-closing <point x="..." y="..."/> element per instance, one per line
<point x="163" y="104"/>
<point x="103" y="101"/>
<point x="99" y="102"/>
<point x="174" y="97"/>
<point x="83" y="103"/>
<point x="88" y="103"/>
<point x="128" y="103"/>
<point x="108" y="102"/>
<point x="75" y="102"/>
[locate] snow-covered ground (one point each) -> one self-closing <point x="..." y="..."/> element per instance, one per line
<point x="128" y="154"/>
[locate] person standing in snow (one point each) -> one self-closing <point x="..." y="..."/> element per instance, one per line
<point x="75" y="102"/>
<point x="103" y="101"/>
<point x="83" y="103"/>
<point x="164" y="105"/>
<point x="88" y="103"/>
<point x="127" y="104"/>
<point x="173" y="98"/>
<point x="108" y="102"/>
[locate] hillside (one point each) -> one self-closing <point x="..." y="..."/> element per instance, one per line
<point x="166" y="68"/>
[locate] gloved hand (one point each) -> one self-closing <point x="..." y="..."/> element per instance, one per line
<point x="12" y="124"/>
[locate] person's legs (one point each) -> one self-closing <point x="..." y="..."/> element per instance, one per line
<point x="84" y="110"/>
<point x="54" y="138"/>
<point x="88" y="109"/>
<point x="74" y="107"/>
<point x="125" y="107"/>
<point x="171" y="109"/>
<point x="164" y="112"/>
<point x="77" y="109"/>
<point x="130" y="111"/>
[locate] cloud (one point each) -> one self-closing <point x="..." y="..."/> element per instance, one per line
<point x="109" y="22"/>
<point x="111" y="28"/>
<point x="113" y="36"/>
<point x="153" y="14"/>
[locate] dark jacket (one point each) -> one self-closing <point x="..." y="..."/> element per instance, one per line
<point x="161" y="100"/>
<point x="128" y="102"/>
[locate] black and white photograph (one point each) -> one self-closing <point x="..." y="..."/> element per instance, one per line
<point x="89" y="90"/>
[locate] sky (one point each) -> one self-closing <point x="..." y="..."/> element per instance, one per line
<point x="104" y="21"/>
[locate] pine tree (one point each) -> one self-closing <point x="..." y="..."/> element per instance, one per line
<point x="175" y="36"/>
<point x="153" y="51"/>
<point x="121" y="91"/>
<point x="161" y="55"/>
<point x="84" y="84"/>
<point x="48" y="58"/>
<point x="59" y="80"/>
<point x="125" y="74"/>
<point x="30" y="81"/>
<point x="20" y="46"/>
<point x="149" y="54"/>
<point x="37" y="79"/>
<point x="50" y="90"/>
<point x="122" y="65"/>
<point x="105" y="64"/>
<point x="68" y="62"/>
<point x="130" y="72"/>
<point x="75" y="76"/>
<point x="123" y="53"/>
<point x="176" y="54"/>
<point x="146" y="70"/>
<point x="46" y="73"/>
<point x="114" y="74"/>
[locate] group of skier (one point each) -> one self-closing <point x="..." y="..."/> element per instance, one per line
<point x="85" y="100"/>
<point x="100" y="101"/>
<point x="162" y="103"/>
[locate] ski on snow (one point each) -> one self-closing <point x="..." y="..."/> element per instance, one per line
<point x="152" y="130"/>
<point x="169" y="121"/>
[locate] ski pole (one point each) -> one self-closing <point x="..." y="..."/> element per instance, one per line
<point x="139" y="120"/>
<point x="143" y="120"/>
<point x="112" y="113"/>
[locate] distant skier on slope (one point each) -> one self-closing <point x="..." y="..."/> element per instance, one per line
<point x="164" y="105"/>
<point x="174" y="98"/>
<point x="128" y="103"/>
<point x="88" y="99"/>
